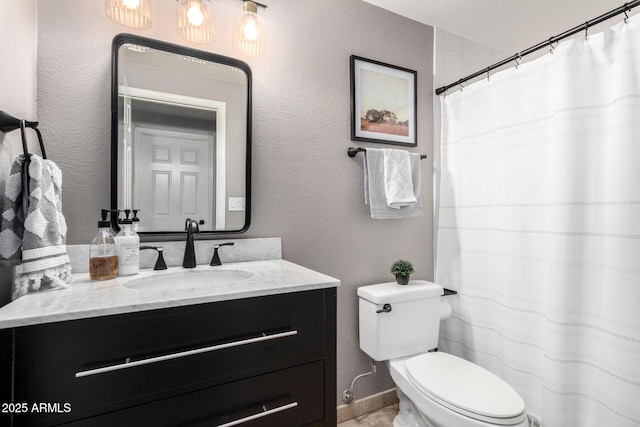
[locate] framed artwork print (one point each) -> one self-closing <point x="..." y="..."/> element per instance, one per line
<point x="383" y="103"/>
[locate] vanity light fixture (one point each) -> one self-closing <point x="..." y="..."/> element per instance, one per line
<point x="130" y="13"/>
<point x="195" y="21"/>
<point x="248" y="30"/>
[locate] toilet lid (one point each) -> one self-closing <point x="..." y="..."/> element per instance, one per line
<point x="464" y="387"/>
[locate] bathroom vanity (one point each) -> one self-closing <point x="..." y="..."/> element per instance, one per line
<point x="257" y="351"/>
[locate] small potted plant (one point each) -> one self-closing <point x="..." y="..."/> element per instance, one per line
<point x="402" y="270"/>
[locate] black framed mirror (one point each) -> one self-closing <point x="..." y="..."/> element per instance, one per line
<point x="180" y="136"/>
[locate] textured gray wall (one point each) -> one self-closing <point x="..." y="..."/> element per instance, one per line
<point x="304" y="187"/>
<point x="18" y="76"/>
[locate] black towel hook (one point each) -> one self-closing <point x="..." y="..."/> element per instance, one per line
<point x="9" y="123"/>
<point x="41" y="142"/>
<point x="23" y="134"/>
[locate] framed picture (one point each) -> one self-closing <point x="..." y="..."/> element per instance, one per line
<point x="383" y="103"/>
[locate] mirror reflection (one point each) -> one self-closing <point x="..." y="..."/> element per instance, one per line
<point x="180" y="136"/>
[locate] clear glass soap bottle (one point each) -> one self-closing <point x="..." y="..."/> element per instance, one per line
<point x="103" y="261"/>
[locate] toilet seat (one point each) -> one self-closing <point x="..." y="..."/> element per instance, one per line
<point x="465" y="388"/>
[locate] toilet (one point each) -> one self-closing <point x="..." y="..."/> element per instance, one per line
<point x="399" y="325"/>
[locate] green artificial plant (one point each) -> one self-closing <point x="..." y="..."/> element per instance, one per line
<point x="402" y="268"/>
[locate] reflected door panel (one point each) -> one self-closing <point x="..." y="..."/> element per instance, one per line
<point x="176" y="168"/>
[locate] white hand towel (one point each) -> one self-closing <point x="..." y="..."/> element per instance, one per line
<point x="374" y="195"/>
<point x="398" y="180"/>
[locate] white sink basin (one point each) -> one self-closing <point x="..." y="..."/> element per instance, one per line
<point x="188" y="279"/>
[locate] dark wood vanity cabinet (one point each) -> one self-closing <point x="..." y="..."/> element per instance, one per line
<point x="268" y="361"/>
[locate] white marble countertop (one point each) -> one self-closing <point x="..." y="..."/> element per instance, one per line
<point x="85" y="299"/>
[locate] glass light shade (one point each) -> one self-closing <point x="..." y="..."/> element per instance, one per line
<point x="195" y="21"/>
<point x="248" y="31"/>
<point x="130" y="13"/>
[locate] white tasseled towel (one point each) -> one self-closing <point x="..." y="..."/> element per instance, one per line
<point x="33" y="230"/>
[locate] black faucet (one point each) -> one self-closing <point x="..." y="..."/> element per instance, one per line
<point x="189" y="260"/>
<point x="216" y="258"/>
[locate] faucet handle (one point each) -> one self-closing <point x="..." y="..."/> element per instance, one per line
<point x="160" y="264"/>
<point x="216" y="258"/>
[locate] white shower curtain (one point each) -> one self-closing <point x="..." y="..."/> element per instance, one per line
<point x="539" y="229"/>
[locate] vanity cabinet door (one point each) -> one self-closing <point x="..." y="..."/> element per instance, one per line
<point x="6" y="369"/>
<point x="109" y="363"/>
<point x="283" y="398"/>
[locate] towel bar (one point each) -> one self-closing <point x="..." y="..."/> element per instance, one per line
<point x="352" y="151"/>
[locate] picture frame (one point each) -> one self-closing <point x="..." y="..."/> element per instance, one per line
<point x="383" y="103"/>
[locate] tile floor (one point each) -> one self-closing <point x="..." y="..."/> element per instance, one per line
<point x="380" y="418"/>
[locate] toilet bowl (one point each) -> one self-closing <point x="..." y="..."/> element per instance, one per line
<point x="400" y="325"/>
<point x="442" y="390"/>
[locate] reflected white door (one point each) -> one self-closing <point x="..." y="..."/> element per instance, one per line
<point x="176" y="171"/>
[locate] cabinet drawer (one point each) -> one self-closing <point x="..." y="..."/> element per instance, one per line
<point x="126" y="360"/>
<point x="290" y="397"/>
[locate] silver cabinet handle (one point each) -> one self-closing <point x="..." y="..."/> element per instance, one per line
<point x="259" y="415"/>
<point x="183" y="354"/>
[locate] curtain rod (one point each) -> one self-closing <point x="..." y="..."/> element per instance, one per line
<point x="583" y="27"/>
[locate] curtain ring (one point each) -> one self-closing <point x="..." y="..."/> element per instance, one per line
<point x="518" y="59"/>
<point x="488" y="75"/>
<point x="551" y="45"/>
<point x="586" y="31"/>
<point x="461" y="86"/>
<point x="626" y="15"/>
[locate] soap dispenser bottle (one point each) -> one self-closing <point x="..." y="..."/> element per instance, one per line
<point x="128" y="247"/>
<point x="136" y="221"/>
<point x="103" y="261"/>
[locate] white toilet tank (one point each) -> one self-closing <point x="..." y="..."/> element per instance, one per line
<point x="410" y="327"/>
